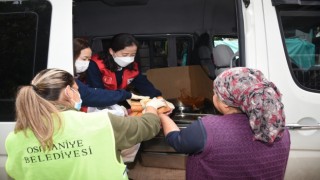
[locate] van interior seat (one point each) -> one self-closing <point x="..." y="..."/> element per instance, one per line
<point x="223" y="58"/>
<point x="206" y="61"/>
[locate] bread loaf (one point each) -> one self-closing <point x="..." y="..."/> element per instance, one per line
<point x="138" y="106"/>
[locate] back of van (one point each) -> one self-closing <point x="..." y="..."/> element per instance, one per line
<point x="278" y="37"/>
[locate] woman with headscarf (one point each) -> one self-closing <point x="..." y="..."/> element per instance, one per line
<point x="249" y="141"/>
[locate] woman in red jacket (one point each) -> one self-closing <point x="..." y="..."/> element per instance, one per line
<point x="116" y="68"/>
<point x="94" y="97"/>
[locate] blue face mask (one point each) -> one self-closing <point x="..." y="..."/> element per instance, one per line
<point x="77" y="105"/>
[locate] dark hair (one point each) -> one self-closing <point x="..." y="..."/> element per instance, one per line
<point x="118" y="42"/>
<point x="78" y="45"/>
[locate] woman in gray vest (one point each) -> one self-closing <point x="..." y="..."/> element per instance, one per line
<point x="249" y="141"/>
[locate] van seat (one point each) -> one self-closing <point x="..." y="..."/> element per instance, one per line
<point x="223" y="58"/>
<point x="206" y="61"/>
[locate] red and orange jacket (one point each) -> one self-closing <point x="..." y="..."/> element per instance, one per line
<point x="109" y="78"/>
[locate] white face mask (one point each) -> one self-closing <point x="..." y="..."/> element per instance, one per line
<point x="81" y="66"/>
<point x="123" y="61"/>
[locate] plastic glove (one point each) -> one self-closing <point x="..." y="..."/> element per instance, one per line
<point x="124" y="110"/>
<point x="170" y="105"/>
<point x="134" y="96"/>
<point x="156" y="103"/>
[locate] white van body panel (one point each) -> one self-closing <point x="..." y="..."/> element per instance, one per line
<point x="265" y="51"/>
<point x="61" y="35"/>
<point x="256" y="54"/>
<point x="302" y="107"/>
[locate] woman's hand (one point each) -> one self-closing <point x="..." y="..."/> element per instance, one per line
<point x="156" y="103"/>
<point x="168" y="124"/>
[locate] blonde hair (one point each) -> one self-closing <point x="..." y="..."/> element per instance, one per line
<point x="36" y="104"/>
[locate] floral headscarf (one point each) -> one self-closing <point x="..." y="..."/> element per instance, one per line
<point x="259" y="98"/>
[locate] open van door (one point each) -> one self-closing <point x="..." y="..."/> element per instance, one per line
<point x="283" y="40"/>
<point x="34" y="35"/>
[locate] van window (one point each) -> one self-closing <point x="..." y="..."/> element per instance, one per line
<point x="153" y="53"/>
<point x="184" y="49"/>
<point x="24" y="40"/>
<point x="301" y="37"/>
<point x="231" y="42"/>
<point x="164" y="51"/>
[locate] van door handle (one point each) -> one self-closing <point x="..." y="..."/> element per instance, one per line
<point x="302" y="127"/>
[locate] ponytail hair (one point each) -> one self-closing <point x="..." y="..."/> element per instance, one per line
<point x="36" y="105"/>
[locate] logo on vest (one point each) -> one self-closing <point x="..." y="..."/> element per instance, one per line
<point x="61" y="150"/>
<point x="130" y="80"/>
<point x="107" y="80"/>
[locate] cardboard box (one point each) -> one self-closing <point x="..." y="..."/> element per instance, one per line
<point x="170" y="81"/>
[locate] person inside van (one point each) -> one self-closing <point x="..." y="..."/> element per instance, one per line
<point x="82" y="55"/>
<point x="53" y="140"/>
<point x="116" y="68"/>
<point x="249" y="141"/>
<point x="94" y="97"/>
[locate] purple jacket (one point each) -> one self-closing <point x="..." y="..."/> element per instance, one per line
<point x="231" y="153"/>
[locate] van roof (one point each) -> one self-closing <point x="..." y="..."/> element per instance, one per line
<point x="154" y="17"/>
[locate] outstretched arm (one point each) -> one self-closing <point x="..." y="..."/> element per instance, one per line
<point x="145" y="87"/>
<point x="189" y="140"/>
<point x="96" y="97"/>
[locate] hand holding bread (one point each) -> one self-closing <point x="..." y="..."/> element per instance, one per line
<point x="156" y="103"/>
<point x="162" y="106"/>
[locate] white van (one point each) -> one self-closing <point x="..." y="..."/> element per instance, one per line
<point x="279" y="37"/>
